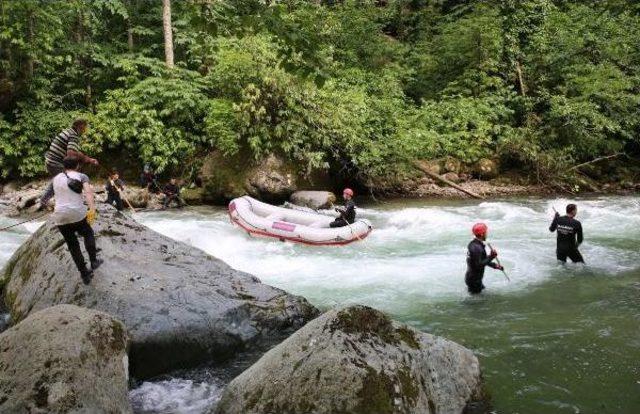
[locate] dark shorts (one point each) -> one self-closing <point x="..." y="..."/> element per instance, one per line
<point x="572" y="254"/>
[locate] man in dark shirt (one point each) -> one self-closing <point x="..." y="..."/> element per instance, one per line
<point x="172" y="193"/>
<point x="348" y="212"/>
<point x="477" y="259"/>
<point x="569" y="232"/>
<point x="114" y="186"/>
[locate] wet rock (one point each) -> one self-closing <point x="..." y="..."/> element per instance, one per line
<point x="433" y="166"/>
<point x="450" y="164"/>
<point x="356" y="360"/>
<point x="192" y="196"/>
<point x="138" y="197"/>
<point x="272" y="180"/>
<point x="65" y="359"/>
<point x="486" y="168"/>
<point x="181" y="306"/>
<point x="313" y="199"/>
<point x="451" y="176"/>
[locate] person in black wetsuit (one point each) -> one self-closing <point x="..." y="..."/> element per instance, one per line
<point x="569" y="235"/>
<point x="348" y="212"/>
<point x="114" y="186"/>
<point x="477" y="259"/>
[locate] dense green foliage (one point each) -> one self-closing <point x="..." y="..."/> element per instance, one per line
<point x="371" y="85"/>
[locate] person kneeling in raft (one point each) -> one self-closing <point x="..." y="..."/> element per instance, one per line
<point x="477" y="259"/>
<point x="347" y="213"/>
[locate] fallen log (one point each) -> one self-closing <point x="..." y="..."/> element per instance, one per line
<point x="425" y="170"/>
<point x="575" y="167"/>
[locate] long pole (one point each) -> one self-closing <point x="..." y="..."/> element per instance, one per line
<point x="499" y="264"/>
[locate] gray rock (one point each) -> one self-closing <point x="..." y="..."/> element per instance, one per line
<point x="451" y="176"/>
<point x="65" y="359"/>
<point x="138" y="197"/>
<point x="358" y="361"/>
<point x="271" y="180"/>
<point x="486" y="168"/>
<point x="313" y="199"/>
<point x="450" y="164"/>
<point x="181" y="306"/>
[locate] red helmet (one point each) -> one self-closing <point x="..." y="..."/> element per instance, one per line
<point x="348" y="191"/>
<point x="479" y="229"/>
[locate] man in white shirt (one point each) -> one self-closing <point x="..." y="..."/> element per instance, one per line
<point x="71" y="215"/>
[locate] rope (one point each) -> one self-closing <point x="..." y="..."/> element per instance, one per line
<point x="23" y="222"/>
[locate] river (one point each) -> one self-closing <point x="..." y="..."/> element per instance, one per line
<point x="556" y="339"/>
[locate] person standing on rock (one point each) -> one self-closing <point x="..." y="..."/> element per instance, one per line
<point x="114" y="188"/>
<point x="570" y="236"/>
<point x="477" y="259"/>
<point x="348" y="212"/>
<point x="71" y="215"/>
<point x="65" y="144"/>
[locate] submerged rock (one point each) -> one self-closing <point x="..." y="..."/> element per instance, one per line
<point x="356" y="360"/>
<point x="313" y="199"/>
<point x="65" y="359"/>
<point x="181" y="306"/>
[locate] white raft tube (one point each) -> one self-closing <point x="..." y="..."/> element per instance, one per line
<point x="262" y="219"/>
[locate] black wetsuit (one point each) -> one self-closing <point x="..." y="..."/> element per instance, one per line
<point x="113" y="195"/>
<point x="347" y="215"/>
<point x="477" y="259"/>
<point x="568" y="229"/>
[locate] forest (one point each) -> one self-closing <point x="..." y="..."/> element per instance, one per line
<point x="365" y="86"/>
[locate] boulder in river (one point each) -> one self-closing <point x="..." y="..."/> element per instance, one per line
<point x="313" y="199"/>
<point x="356" y="360"/>
<point x="272" y="179"/>
<point x="64" y="359"/>
<point x="181" y="306"/>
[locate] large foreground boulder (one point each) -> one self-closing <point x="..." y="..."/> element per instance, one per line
<point x="180" y="306"/>
<point x="64" y="359"/>
<point x="358" y="361"/>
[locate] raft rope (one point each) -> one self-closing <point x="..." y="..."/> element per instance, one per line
<point x="23" y="222"/>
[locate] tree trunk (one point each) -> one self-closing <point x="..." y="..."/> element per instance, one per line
<point x="425" y="170"/>
<point x="130" y="43"/>
<point x="84" y="61"/>
<point x="30" y="38"/>
<point x="168" y="35"/>
<point x="523" y="88"/>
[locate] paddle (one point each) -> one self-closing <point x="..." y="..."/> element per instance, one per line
<point x="499" y="264"/>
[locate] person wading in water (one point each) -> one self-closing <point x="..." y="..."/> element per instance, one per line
<point x="348" y="212"/>
<point x="477" y="259"/>
<point x="71" y="216"/>
<point x="65" y="144"/>
<point x="569" y="232"/>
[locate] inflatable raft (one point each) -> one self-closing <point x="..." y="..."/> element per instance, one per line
<point x="307" y="227"/>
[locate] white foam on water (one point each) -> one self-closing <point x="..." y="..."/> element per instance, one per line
<point x="415" y="253"/>
<point x="174" y="396"/>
